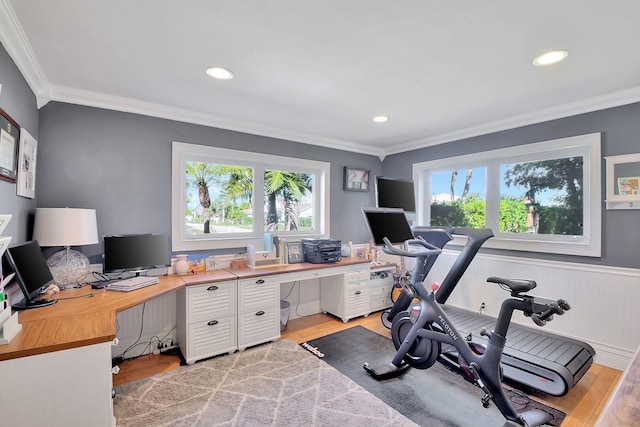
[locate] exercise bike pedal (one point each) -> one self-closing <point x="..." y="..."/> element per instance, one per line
<point x="388" y="370"/>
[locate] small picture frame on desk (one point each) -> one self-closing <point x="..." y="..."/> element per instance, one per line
<point x="356" y="179"/>
<point x="295" y="253"/>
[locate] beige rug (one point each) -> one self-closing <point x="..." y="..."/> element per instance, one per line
<point x="277" y="384"/>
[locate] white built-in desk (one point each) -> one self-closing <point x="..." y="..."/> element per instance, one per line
<point x="57" y="369"/>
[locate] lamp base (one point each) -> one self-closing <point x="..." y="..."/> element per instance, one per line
<point x="68" y="267"/>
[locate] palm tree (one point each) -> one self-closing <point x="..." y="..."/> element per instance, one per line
<point x="292" y="187"/>
<point x="236" y="183"/>
<point x="202" y="175"/>
<point x="467" y="185"/>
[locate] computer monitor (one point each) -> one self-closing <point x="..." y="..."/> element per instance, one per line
<point x="32" y="273"/>
<point x="396" y="193"/>
<point x="389" y="223"/>
<point x="135" y="253"/>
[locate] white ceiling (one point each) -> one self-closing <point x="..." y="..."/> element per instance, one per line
<point x="318" y="71"/>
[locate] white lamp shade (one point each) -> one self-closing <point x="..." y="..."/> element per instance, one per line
<point x="65" y="227"/>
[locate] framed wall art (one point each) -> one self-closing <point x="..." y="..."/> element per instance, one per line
<point x="26" y="181"/>
<point x="9" y="138"/>
<point x="356" y="179"/>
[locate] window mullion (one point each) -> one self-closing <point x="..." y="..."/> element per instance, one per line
<point x="493" y="197"/>
<point x="257" y="199"/>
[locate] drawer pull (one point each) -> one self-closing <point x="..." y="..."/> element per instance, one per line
<point x="260" y="313"/>
<point x="358" y="292"/>
<point x="212" y="288"/>
<point x="212" y="322"/>
<point x="259" y="281"/>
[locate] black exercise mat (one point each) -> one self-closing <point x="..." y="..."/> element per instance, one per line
<point x="429" y="397"/>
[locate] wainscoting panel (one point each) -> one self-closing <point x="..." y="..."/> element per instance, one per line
<point x="157" y="323"/>
<point x="603" y="299"/>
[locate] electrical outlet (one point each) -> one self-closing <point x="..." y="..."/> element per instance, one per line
<point x="483" y="307"/>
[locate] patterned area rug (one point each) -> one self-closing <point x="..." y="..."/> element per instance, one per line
<point x="430" y="397"/>
<point x="277" y="384"/>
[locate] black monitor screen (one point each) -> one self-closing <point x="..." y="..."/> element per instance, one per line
<point x="389" y="223"/>
<point x="32" y="272"/>
<point x="135" y="252"/>
<point x="395" y="193"/>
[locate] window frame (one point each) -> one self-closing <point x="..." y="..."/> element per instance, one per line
<point x="186" y="152"/>
<point x="588" y="146"/>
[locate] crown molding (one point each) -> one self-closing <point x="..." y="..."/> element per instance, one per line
<point x="615" y="99"/>
<point x="111" y="102"/>
<point x="15" y="42"/>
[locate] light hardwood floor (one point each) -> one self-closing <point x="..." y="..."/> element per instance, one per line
<point x="582" y="404"/>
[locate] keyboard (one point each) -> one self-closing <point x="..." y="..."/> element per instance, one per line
<point x="132" y="283"/>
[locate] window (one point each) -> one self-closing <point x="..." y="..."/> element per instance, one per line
<point x="542" y="197"/>
<point x="225" y="198"/>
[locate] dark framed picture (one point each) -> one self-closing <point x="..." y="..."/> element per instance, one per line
<point x="356" y="179"/>
<point x="9" y="140"/>
<point x="295" y="253"/>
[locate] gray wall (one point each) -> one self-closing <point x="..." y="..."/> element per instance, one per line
<point x="620" y="128"/>
<point x="19" y="102"/>
<point x="120" y="164"/>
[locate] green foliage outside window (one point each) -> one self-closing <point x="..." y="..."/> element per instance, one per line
<point x="513" y="216"/>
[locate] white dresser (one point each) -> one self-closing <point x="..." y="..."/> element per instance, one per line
<point x="206" y="320"/>
<point x="346" y="296"/>
<point x="258" y="311"/>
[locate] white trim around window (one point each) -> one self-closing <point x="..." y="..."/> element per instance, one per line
<point x="588" y="146"/>
<point x="184" y="152"/>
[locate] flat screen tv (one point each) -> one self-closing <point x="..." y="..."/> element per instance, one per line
<point x="32" y="274"/>
<point x="396" y="193"/>
<point x="135" y="253"/>
<point x="389" y="223"/>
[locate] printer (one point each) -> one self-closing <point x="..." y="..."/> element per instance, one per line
<point x="321" y="251"/>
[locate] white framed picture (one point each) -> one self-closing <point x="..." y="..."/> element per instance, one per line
<point x="26" y="181"/>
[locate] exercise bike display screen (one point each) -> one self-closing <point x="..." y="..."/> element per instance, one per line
<point x="389" y="223"/>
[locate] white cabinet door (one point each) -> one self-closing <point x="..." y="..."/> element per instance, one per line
<point x="258" y="311"/>
<point x="215" y="299"/>
<point x="380" y="286"/>
<point x="346" y="295"/>
<point x="206" y="320"/>
<point x="210" y="338"/>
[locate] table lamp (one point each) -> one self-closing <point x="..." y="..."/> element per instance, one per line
<point x="66" y="227"/>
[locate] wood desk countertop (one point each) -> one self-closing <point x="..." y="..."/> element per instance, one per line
<point x="87" y="316"/>
<point x="249" y="272"/>
<point x="623" y="408"/>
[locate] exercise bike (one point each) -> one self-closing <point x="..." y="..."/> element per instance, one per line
<point x="419" y="332"/>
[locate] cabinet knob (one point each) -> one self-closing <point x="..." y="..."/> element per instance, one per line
<point x="212" y="288"/>
<point x="259" y="282"/>
<point x="212" y="322"/>
<point x="260" y="313"/>
<point x="358" y="292"/>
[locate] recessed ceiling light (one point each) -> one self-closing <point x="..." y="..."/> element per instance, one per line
<point x="380" y="119"/>
<point x="219" y="73"/>
<point x="550" y="57"/>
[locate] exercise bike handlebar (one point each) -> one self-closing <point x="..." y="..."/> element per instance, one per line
<point x="428" y="250"/>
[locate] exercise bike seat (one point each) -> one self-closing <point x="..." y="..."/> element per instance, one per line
<point x="516" y="285"/>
